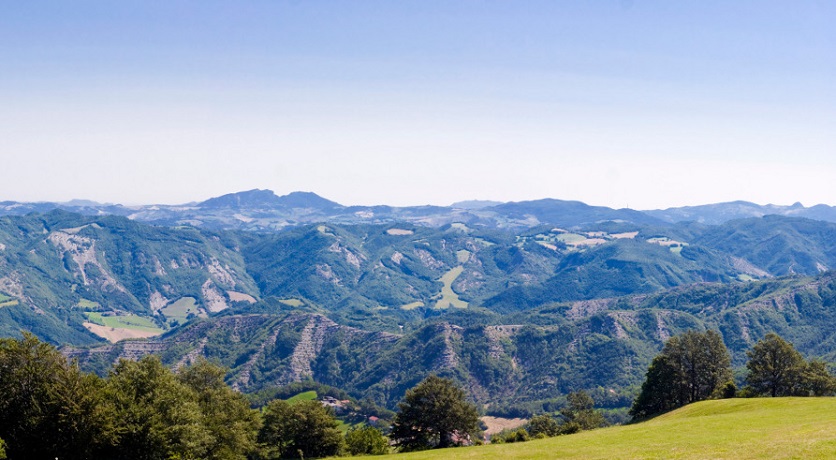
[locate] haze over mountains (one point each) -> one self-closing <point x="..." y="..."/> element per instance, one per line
<point x="520" y="302"/>
<point x="264" y="210"/>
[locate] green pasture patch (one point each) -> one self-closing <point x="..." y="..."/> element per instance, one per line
<point x="305" y="396"/>
<point x="180" y="309"/>
<point x="449" y="298"/>
<point x="344" y="426"/>
<point x="8" y="301"/>
<point x="462" y="255"/>
<point x="412" y="306"/>
<point x="134" y="322"/>
<point x="85" y="304"/>
<point x="460" y="227"/>
<point x="295" y="303"/>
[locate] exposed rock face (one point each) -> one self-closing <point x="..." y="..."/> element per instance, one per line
<point x="213" y="298"/>
<point x="83" y="253"/>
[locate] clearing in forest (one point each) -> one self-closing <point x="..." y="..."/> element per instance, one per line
<point x="449" y="298"/>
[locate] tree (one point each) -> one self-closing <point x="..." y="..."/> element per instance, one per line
<point x="817" y="379"/>
<point x="49" y="407"/>
<point x="580" y="413"/>
<point x="158" y="416"/>
<point x="691" y="367"/>
<point x="542" y="425"/>
<point x="301" y="430"/>
<point x="367" y="440"/>
<point x="232" y="425"/>
<point x="776" y="368"/>
<point x="435" y="413"/>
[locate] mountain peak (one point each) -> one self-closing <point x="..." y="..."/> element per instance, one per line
<point x="247" y="199"/>
<point x="258" y="198"/>
<point x="307" y="200"/>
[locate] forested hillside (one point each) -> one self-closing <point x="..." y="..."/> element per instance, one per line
<point x="534" y="355"/>
<point x="516" y="314"/>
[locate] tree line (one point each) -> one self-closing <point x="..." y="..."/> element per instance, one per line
<point x="696" y="366"/>
<point x="143" y="410"/>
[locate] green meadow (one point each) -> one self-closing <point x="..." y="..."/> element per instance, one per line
<point x="123" y="322"/>
<point x="760" y="428"/>
<point x="448" y="297"/>
<point x="180" y="309"/>
<point x="305" y="396"/>
<point x="6" y="301"/>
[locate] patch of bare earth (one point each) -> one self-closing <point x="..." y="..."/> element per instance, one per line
<point x="114" y="335"/>
<point x="399" y="232"/>
<point x="240" y="297"/>
<point x="498" y="424"/>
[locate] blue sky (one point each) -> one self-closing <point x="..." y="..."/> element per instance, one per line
<point x="618" y="103"/>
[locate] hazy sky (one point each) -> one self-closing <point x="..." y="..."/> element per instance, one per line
<point x="645" y="104"/>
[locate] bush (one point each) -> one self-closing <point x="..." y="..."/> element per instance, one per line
<point x="542" y="425"/>
<point x="366" y="441"/>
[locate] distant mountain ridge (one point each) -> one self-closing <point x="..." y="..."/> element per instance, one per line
<point x="714" y="214"/>
<point x="256" y="198"/>
<point x="263" y="210"/>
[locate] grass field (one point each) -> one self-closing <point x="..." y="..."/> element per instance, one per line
<point x="412" y="306"/>
<point x="448" y="297"/>
<point x="306" y="396"/>
<point x="6" y="301"/>
<point x="85" y="304"/>
<point x="571" y="238"/>
<point x="344" y="426"/>
<point x="180" y="309"/>
<point x="292" y="302"/>
<point x="124" y="322"/>
<point x="762" y="428"/>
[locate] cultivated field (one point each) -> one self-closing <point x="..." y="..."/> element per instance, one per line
<point x="114" y="335"/>
<point x="115" y="328"/>
<point x="448" y="297"/>
<point x="761" y="428"/>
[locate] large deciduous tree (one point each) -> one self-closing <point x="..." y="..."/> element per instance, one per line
<point x="435" y="413"/>
<point x="305" y="429"/>
<point x="691" y="367"/>
<point x="233" y="426"/>
<point x="776" y="368"/>
<point x="158" y="416"/>
<point x="579" y="413"/>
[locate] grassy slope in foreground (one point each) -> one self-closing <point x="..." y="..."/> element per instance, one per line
<point x="730" y="429"/>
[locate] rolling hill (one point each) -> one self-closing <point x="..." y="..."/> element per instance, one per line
<point x="776" y="428"/>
